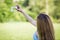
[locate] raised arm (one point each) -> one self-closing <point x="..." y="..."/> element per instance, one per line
<point x="26" y="15"/>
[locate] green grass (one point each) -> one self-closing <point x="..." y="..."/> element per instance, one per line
<point x="57" y="31"/>
<point x="21" y="31"/>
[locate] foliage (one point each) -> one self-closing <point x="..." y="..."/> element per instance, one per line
<point x="57" y="9"/>
<point x="32" y="7"/>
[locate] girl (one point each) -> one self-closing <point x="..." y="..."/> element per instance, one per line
<point x="45" y="28"/>
<point x="44" y="25"/>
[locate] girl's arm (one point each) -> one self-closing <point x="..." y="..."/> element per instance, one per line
<point x="26" y="15"/>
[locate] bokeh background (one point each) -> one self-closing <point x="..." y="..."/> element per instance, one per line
<point x="14" y="26"/>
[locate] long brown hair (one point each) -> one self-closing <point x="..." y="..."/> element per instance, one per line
<point x="45" y="27"/>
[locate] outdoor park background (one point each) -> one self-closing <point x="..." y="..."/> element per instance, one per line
<point x="14" y="26"/>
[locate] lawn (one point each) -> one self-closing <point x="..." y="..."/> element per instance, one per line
<point x="21" y="31"/>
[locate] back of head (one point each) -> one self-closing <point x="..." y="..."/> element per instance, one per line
<point x="45" y="27"/>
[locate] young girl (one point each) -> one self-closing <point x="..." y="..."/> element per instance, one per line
<point x="45" y="28"/>
<point x="44" y="25"/>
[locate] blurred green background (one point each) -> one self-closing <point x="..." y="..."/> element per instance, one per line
<point x="14" y="26"/>
<point x="32" y="7"/>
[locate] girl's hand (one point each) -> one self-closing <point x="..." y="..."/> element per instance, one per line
<point x="19" y="8"/>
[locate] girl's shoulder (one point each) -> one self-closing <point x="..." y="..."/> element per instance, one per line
<point x="35" y="37"/>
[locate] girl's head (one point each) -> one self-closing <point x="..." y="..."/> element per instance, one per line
<point x="45" y="27"/>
